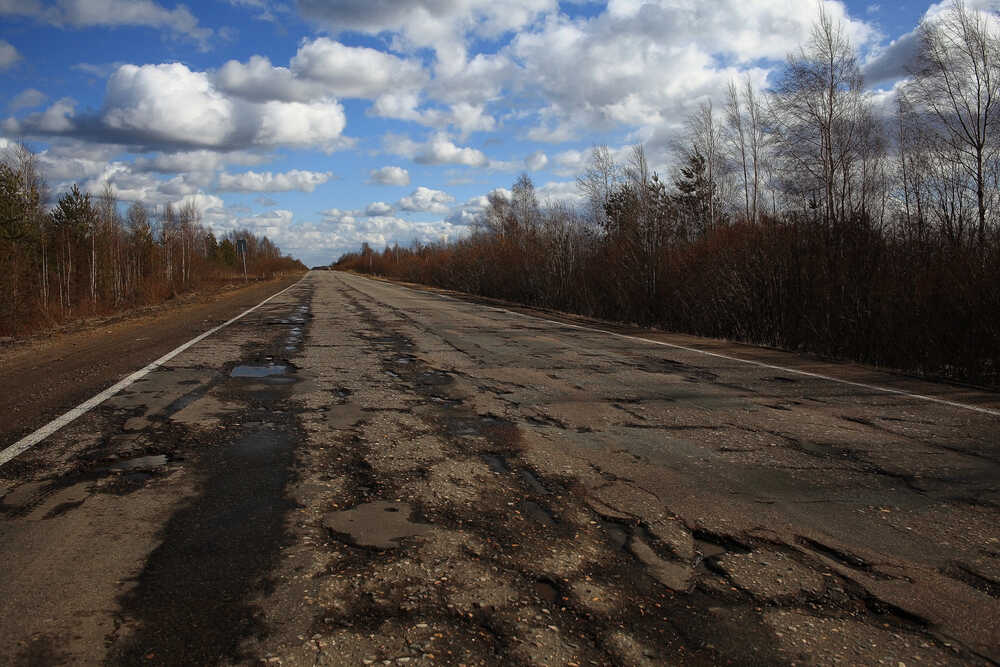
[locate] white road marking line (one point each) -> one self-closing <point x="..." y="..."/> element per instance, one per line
<point x="33" y="439"/>
<point x="761" y="364"/>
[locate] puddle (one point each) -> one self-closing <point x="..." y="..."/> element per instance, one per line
<point x="450" y="402"/>
<point x="258" y="371"/>
<point x="616" y="533"/>
<point x="708" y="549"/>
<point x="546" y="591"/>
<point x="378" y="525"/>
<point x="536" y="512"/>
<point x="532" y="482"/>
<point x="496" y="463"/>
<point x="394" y="376"/>
<point x="140" y="463"/>
<point x="433" y="379"/>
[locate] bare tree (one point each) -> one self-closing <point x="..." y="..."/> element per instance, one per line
<point x="747" y="139"/>
<point x="705" y="139"/>
<point x="819" y="111"/>
<point x="957" y="80"/>
<point x="598" y="180"/>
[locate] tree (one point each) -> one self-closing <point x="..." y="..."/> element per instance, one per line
<point x="705" y="137"/>
<point x="957" y="80"/>
<point x="597" y="182"/>
<point x="744" y="118"/>
<point x="819" y="112"/>
<point x="72" y="217"/>
<point x="695" y="194"/>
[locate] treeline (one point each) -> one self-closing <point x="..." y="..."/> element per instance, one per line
<point x="797" y="218"/>
<point x="84" y="256"/>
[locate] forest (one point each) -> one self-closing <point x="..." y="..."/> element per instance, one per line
<point x="84" y="256"/>
<point x="800" y="217"/>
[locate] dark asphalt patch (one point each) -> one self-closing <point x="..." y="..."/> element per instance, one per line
<point x="193" y="600"/>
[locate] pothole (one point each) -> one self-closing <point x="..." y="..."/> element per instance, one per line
<point x="269" y="370"/>
<point x="496" y="463"/>
<point x="536" y="512"/>
<point x="141" y="463"/>
<point x="546" y="591"/>
<point x="376" y="525"/>
<point x="532" y="482"/>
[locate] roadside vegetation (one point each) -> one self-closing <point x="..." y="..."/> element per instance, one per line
<point x="798" y="217"/>
<point x="85" y="256"/>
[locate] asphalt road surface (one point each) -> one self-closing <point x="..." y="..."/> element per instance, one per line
<point x="361" y="473"/>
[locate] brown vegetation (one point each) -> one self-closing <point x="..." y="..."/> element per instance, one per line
<point x="797" y="220"/>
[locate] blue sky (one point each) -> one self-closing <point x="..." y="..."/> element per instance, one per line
<point x="323" y="124"/>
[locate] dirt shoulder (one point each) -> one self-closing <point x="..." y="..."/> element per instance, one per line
<point x="46" y="375"/>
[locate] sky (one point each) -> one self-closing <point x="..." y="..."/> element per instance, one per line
<point x="323" y="124"/>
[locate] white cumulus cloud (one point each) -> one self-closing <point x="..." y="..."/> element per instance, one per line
<point x="252" y="181"/>
<point x="172" y="106"/>
<point x="438" y="150"/>
<point x="536" y="161"/>
<point x="390" y="175"/>
<point x="426" y="200"/>
<point x="378" y="208"/>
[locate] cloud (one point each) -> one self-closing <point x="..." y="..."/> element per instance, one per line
<point x="8" y="54"/>
<point x="536" y="161"/>
<point x="275" y="224"/>
<point x="471" y="211"/>
<point x="113" y="13"/>
<point x="322" y="68"/>
<point x="200" y="160"/>
<point x="338" y="216"/>
<point x="171" y="107"/>
<point x="351" y="71"/>
<point x="425" y="200"/>
<point x="27" y="99"/>
<point x="426" y="23"/>
<point x="69" y="160"/>
<point x="57" y="119"/>
<point x="890" y="64"/>
<point x="251" y="181"/>
<point x="390" y="176"/>
<point x="324" y="241"/>
<point x="259" y="81"/>
<point x="170" y="103"/>
<point x="648" y="64"/>
<point x="438" y="150"/>
<point x="560" y="192"/>
<point x="97" y="70"/>
<point x="378" y="208"/>
<point x="203" y="203"/>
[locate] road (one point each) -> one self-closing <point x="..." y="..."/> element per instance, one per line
<point x="46" y="376"/>
<point x="361" y="473"/>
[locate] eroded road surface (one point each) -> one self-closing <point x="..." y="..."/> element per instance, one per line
<point x="358" y="473"/>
